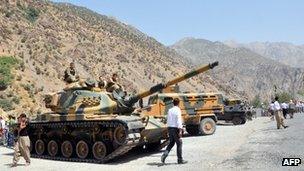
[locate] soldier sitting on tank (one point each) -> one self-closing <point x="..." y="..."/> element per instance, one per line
<point x="102" y="83"/>
<point x="113" y="84"/>
<point x="70" y="74"/>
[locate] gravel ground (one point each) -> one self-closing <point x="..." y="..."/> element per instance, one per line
<point x="257" y="145"/>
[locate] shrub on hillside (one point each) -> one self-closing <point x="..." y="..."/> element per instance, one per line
<point x="6" y="64"/>
<point x="32" y="14"/>
<point x="6" y="105"/>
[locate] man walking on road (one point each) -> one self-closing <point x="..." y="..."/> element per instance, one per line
<point x="22" y="146"/>
<point x="278" y="114"/>
<point x="175" y="128"/>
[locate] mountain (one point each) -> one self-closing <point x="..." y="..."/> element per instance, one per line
<point x="243" y="69"/>
<point x="45" y="37"/>
<point x="286" y="53"/>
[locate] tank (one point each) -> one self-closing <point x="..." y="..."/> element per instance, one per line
<point x="87" y="124"/>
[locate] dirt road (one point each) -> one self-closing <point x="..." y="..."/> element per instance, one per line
<point x="255" y="145"/>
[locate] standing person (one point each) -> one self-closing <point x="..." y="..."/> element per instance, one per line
<point x="175" y="128"/>
<point x="10" y="125"/>
<point x="70" y="74"/>
<point x="271" y="110"/>
<point x="278" y="114"/>
<point x="22" y="146"/>
<point x="292" y="108"/>
<point x="2" y="130"/>
<point x="285" y="109"/>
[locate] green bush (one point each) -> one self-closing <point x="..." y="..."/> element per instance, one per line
<point x="256" y="102"/>
<point x="284" y="96"/>
<point x="32" y="14"/>
<point x="6" y="105"/>
<point x="6" y="64"/>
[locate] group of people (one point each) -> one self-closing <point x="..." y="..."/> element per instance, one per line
<point x="287" y="108"/>
<point x="71" y="76"/>
<point x="6" y="135"/>
<point x="279" y="111"/>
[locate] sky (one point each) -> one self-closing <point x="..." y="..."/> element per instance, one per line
<point x="217" y="20"/>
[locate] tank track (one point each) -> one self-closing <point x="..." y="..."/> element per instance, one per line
<point x="132" y="140"/>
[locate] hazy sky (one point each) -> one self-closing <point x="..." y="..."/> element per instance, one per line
<point x="242" y="20"/>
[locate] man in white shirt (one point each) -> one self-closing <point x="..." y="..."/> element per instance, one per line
<point x="278" y="114"/>
<point x="175" y="128"/>
<point x="271" y="110"/>
<point x="284" y="108"/>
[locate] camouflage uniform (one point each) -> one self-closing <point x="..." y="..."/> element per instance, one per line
<point x="113" y="85"/>
<point x="70" y="75"/>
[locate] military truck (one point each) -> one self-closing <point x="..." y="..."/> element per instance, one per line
<point x="87" y="124"/>
<point x="198" y="110"/>
<point x="234" y="111"/>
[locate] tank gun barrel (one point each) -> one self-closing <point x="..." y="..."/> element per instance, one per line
<point x="161" y="86"/>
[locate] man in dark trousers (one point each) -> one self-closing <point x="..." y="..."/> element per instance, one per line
<point x="175" y="128"/>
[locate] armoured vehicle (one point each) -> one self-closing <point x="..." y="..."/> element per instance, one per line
<point x="198" y="109"/>
<point x="87" y="124"/>
<point x="234" y="111"/>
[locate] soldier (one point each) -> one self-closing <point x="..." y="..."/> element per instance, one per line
<point x="102" y="83"/>
<point x="278" y="114"/>
<point x="10" y="137"/>
<point x="113" y="84"/>
<point x="22" y="145"/>
<point x="175" y="129"/>
<point x="70" y="74"/>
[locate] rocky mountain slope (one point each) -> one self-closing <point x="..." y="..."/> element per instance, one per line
<point x="46" y="36"/>
<point x="286" y="53"/>
<point x="246" y="71"/>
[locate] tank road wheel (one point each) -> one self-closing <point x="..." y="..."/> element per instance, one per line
<point x="82" y="149"/>
<point x="237" y="120"/>
<point x="67" y="149"/>
<point x="52" y="148"/>
<point x="207" y="126"/>
<point x="39" y="147"/>
<point x="99" y="150"/>
<point x="192" y="129"/>
<point x="120" y="135"/>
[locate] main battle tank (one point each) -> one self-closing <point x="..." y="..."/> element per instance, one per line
<point x="90" y="125"/>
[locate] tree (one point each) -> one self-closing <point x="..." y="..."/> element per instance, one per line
<point x="256" y="102"/>
<point x="284" y="96"/>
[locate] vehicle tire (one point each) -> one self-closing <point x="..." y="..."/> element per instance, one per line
<point x="99" y="150"/>
<point x="192" y="130"/>
<point x="39" y="147"/>
<point x="237" y="120"/>
<point x="207" y="126"/>
<point x="52" y="148"/>
<point x="67" y="149"/>
<point x="82" y="149"/>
